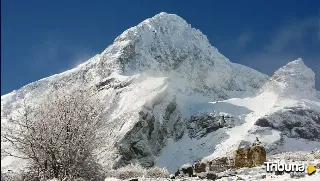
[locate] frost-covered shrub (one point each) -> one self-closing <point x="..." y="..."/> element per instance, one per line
<point x="298" y="156"/>
<point x="136" y="170"/>
<point x="156" y="172"/>
<point x="57" y="135"/>
<point x="11" y="176"/>
<point x="316" y="154"/>
<point x="129" y="171"/>
<point x="21" y="175"/>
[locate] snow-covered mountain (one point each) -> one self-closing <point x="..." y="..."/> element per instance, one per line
<point x="171" y="98"/>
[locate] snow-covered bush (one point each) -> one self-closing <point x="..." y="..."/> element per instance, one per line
<point x="298" y="156"/>
<point x="57" y="136"/>
<point x="316" y="154"/>
<point x="156" y="172"/>
<point x="11" y="176"/>
<point x="129" y="171"/>
<point x="136" y="170"/>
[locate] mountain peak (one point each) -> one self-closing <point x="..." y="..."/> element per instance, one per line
<point x="167" y="16"/>
<point x="294" y="66"/>
<point x="298" y="61"/>
<point x="294" y="80"/>
<point x="162" y="23"/>
<point x="166" y="45"/>
<point x="296" y="69"/>
<point x="164" y="19"/>
<point x="162" y="42"/>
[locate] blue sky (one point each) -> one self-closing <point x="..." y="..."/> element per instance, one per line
<point x="41" y="38"/>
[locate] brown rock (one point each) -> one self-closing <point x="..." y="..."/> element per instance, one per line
<point x="241" y="158"/>
<point x="257" y="156"/>
<point x="250" y="157"/>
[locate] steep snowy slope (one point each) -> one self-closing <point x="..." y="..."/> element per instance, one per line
<point x="286" y="106"/>
<point x="165" y="90"/>
<point x="284" y="115"/>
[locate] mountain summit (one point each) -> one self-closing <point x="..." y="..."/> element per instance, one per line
<point x="294" y="80"/>
<point x="170" y="97"/>
<point x="165" y="45"/>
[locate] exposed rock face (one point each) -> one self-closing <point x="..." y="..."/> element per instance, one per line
<point x="139" y="142"/>
<point x="200" y="167"/>
<point x="221" y="164"/>
<point x="185" y="171"/>
<point x="211" y="176"/>
<point x="201" y="125"/>
<point x="250" y="157"/>
<point x="297" y="122"/>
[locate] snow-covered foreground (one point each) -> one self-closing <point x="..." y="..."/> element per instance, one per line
<point x="260" y="173"/>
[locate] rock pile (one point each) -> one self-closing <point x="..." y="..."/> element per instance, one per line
<point x="252" y="156"/>
<point x="205" y="170"/>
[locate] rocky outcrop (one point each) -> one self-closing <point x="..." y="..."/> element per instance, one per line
<point x="205" y="170"/>
<point x="200" y="167"/>
<point x="142" y="142"/>
<point x="201" y="125"/>
<point x="297" y="122"/>
<point x="221" y="164"/>
<point x="250" y="157"/>
<point x="185" y="170"/>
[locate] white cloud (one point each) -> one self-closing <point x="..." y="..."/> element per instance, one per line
<point x="291" y="33"/>
<point x="243" y="40"/>
<point x="57" y="55"/>
<point x="238" y="44"/>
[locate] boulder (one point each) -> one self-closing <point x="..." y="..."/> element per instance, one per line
<point x="172" y="176"/>
<point x="200" y="167"/>
<point x="133" y="179"/>
<point x="257" y="156"/>
<point x="187" y="171"/>
<point x="177" y="173"/>
<point x="250" y="157"/>
<point x="211" y="176"/>
<point x="241" y="158"/>
<point x="220" y="164"/>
